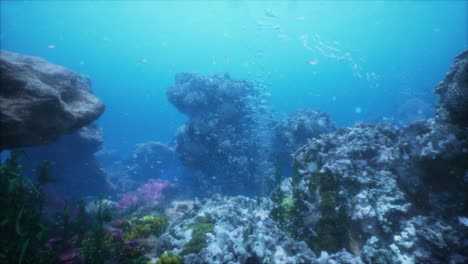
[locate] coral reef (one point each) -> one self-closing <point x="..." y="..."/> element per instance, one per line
<point x="386" y="184"/>
<point x="169" y="258"/>
<point x="232" y="230"/>
<point x="41" y="101"/>
<point x="453" y="91"/>
<point x="218" y="141"/>
<point x="294" y="131"/>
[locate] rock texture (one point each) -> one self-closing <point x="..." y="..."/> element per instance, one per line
<point x="242" y="233"/>
<point x="219" y="141"/>
<point x="453" y="91"/>
<point x="388" y="194"/>
<point x="73" y="164"/>
<point x="41" y="101"/>
<point x="294" y="131"/>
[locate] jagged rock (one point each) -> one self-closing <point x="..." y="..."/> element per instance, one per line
<point x="219" y="140"/>
<point x="41" y="101"/>
<point x="453" y="91"/>
<point x="434" y="165"/>
<point x="294" y="132"/>
<point x="73" y="164"/>
<point x="351" y="168"/>
<point x="300" y="126"/>
<point x="242" y="232"/>
<point x="401" y="191"/>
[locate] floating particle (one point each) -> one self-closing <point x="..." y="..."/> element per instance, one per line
<point x="51" y="46"/>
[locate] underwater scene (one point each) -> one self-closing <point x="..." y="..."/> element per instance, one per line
<point x="233" y="132"/>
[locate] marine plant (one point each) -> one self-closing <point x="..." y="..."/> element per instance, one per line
<point x="21" y="204"/>
<point x="144" y="227"/>
<point x="93" y="246"/>
<point x="332" y="227"/>
<point x="287" y="206"/>
<point x="200" y="227"/>
<point x="297" y="213"/>
<point x="277" y="195"/>
<point x="169" y="258"/>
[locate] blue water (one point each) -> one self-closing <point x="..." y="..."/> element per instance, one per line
<point x="366" y="59"/>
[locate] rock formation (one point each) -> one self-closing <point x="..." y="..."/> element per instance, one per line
<point x="41" y="101"/>
<point x="218" y="141"/>
<point x="73" y="163"/>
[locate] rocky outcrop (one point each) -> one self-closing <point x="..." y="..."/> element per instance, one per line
<point x="73" y="164"/>
<point x="219" y="140"/>
<point x="387" y="194"/>
<point x="294" y="131"/>
<point x="453" y="91"/>
<point x="41" y="101"/>
<point x="237" y="230"/>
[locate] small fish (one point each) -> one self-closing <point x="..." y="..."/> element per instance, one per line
<point x="51" y="46"/>
<point x="312" y="62"/>
<point x="144" y="60"/>
<point x="214" y="62"/>
<point x="270" y="13"/>
<point x="300" y="18"/>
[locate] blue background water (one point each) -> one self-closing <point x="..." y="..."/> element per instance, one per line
<point x="131" y="50"/>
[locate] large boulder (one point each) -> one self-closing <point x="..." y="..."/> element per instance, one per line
<point x="41" y="101"/>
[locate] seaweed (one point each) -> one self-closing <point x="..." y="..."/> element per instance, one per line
<point x="332" y="227"/>
<point x="169" y="258"/>
<point x="200" y="227"/>
<point x="277" y="195"/>
<point x="21" y="204"/>
<point x="93" y="248"/>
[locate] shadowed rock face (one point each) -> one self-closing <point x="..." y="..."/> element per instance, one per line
<point x="453" y="91"/>
<point x="41" y="101"/>
<point x="73" y="163"/>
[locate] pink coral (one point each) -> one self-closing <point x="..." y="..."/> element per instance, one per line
<point x="147" y="193"/>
